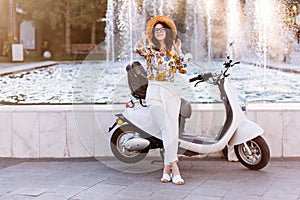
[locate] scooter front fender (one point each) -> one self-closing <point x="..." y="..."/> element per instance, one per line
<point x="246" y="131"/>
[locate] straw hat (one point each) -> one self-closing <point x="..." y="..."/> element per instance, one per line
<point x="164" y="19"/>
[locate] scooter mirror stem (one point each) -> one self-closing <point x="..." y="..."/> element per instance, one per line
<point x="197" y="64"/>
<point x="188" y="58"/>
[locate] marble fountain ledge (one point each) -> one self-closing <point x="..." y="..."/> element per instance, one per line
<point x="25" y="66"/>
<point x="69" y="131"/>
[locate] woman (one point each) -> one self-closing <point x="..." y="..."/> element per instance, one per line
<point x="163" y="58"/>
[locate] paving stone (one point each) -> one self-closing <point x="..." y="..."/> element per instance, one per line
<point x="209" y="179"/>
<point x="29" y="191"/>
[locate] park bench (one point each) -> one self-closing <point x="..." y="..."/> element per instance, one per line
<point x="83" y="49"/>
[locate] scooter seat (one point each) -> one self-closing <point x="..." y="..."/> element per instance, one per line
<point x="185" y="109"/>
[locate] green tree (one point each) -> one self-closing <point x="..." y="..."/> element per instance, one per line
<point x="60" y="15"/>
<point x="6" y="31"/>
<point x="91" y="12"/>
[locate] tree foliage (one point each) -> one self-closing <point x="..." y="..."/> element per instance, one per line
<point x="90" y="13"/>
<point x="62" y="15"/>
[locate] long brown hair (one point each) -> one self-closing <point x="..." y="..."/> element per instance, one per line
<point x="168" y="40"/>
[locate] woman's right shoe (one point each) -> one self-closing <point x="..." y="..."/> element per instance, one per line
<point x="177" y="180"/>
<point x="165" y="178"/>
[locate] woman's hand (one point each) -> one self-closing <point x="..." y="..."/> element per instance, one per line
<point x="144" y="34"/>
<point x="177" y="45"/>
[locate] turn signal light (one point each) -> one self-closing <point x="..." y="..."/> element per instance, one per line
<point x="119" y="121"/>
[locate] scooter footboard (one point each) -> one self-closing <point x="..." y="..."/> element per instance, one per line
<point x="247" y="130"/>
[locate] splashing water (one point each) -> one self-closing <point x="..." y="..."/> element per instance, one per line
<point x="123" y="19"/>
<point x="252" y="29"/>
<point x="194" y="20"/>
<point x="234" y="28"/>
<point x="95" y="83"/>
<point x="127" y="20"/>
<point x="267" y="29"/>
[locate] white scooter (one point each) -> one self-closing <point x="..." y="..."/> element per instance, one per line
<point x="132" y="133"/>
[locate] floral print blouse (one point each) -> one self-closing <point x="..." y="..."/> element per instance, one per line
<point x="161" y="65"/>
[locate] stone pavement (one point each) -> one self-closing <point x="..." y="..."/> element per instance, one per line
<point x="88" y="178"/>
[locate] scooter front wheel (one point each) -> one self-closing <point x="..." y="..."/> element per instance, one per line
<point x="118" y="138"/>
<point x="254" y="154"/>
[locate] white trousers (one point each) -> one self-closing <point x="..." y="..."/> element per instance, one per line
<point x="164" y="105"/>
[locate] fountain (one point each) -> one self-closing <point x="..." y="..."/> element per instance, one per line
<point x="126" y="21"/>
<point x="234" y="28"/>
<point x="249" y="31"/>
<point x="267" y="31"/>
<point x="209" y="29"/>
<point x="122" y="18"/>
<point x="66" y="129"/>
<point x="249" y="35"/>
<point x="194" y="20"/>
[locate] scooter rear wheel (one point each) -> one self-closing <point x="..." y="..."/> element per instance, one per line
<point x="259" y="156"/>
<point x="120" y="152"/>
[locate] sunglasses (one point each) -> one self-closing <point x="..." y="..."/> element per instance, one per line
<point x="157" y="30"/>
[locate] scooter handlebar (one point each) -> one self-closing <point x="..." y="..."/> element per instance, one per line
<point x="195" y="78"/>
<point x="202" y="77"/>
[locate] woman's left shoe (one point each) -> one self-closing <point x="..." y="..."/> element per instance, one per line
<point x="177" y="180"/>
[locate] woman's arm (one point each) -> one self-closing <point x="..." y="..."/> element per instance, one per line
<point x="181" y="65"/>
<point x="142" y="46"/>
<point x="177" y="46"/>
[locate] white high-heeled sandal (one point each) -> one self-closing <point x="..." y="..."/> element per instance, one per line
<point x="165" y="178"/>
<point x="177" y="180"/>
